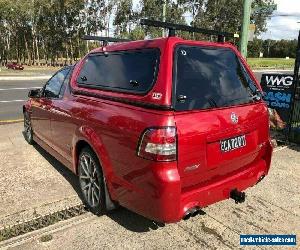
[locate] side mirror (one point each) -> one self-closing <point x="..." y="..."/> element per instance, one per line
<point x="34" y="93"/>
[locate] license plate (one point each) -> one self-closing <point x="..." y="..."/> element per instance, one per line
<point x="233" y="143"/>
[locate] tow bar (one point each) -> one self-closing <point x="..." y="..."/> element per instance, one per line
<point x="238" y="196"/>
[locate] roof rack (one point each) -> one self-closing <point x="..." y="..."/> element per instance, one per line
<point x="173" y="27"/>
<point x="105" y="40"/>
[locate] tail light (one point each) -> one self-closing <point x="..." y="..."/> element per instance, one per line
<point x="158" y="144"/>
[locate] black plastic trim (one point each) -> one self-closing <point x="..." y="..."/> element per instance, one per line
<point x="173" y="27"/>
<point x="122" y="100"/>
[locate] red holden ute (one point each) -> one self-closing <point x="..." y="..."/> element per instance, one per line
<point x="163" y="127"/>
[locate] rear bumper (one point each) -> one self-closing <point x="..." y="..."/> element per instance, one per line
<point x="161" y="197"/>
<point x="172" y="205"/>
<point x="218" y="191"/>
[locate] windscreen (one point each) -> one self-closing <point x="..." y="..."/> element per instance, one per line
<point x="210" y="78"/>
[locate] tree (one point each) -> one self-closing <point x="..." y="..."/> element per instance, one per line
<point x="35" y="31"/>
<point x="273" y="49"/>
<point x="227" y="15"/>
<point x="127" y="19"/>
<point x="123" y="18"/>
<point x="283" y="48"/>
<point x="255" y="47"/>
<point x="152" y="9"/>
<point x="261" y="11"/>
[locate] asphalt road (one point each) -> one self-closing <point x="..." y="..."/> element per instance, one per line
<point x="13" y="94"/>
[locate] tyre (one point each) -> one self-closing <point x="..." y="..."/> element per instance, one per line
<point x="28" y="132"/>
<point x="91" y="181"/>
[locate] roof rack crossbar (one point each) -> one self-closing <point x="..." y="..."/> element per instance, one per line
<point x="105" y="40"/>
<point x="173" y="27"/>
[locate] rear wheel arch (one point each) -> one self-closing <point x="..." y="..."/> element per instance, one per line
<point x="87" y="136"/>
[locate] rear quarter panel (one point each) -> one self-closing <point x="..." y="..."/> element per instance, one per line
<point x="113" y="130"/>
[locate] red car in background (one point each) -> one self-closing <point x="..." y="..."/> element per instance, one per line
<point x="15" y="66"/>
<point x="163" y="127"/>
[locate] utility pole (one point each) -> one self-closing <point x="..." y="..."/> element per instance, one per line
<point x="245" y="27"/>
<point x="164" y="11"/>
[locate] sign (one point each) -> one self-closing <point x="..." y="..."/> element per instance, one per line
<point x="251" y="32"/>
<point x="278" y="93"/>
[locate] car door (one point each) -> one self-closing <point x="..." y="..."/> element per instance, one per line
<point x="41" y="107"/>
<point x="62" y="123"/>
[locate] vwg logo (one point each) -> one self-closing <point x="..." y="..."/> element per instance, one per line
<point x="283" y="81"/>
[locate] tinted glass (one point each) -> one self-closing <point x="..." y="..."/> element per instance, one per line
<point x="66" y="81"/>
<point x="54" y="85"/>
<point x="209" y="78"/>
<point x="125" y="71"/>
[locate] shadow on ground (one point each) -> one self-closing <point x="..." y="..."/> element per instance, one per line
<point x="295" y="147"/>
<point x="132" y="221"/>
<point x="60" y="168"/>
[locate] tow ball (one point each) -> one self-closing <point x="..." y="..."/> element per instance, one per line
<point x="237" y="196"/>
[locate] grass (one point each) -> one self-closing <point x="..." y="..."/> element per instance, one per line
<point x="46" y="238"/>
<point x="271" y="63"/>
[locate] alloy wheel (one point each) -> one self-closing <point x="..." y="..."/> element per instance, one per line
<point x="89" y="180"/>
<point x="27" y="128"/>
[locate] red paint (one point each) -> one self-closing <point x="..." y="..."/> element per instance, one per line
<point x="15" y="66"/>
<point x="162" y="191"/>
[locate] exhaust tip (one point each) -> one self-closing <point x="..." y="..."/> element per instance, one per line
<point x="237" y="196"/>
<point x="186" y="216"/>
<point x="260" y="178"/>
<point x="195" y="213"/>
<point x="192" y="212"/>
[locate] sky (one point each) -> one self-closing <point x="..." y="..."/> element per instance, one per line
<point x="284" y="27"/>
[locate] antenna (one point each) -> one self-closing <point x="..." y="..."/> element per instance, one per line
<point x="173" y="27"/>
